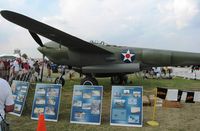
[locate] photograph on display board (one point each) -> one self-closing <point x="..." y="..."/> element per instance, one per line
<point x="79" y="116"/>
<point x="24" y="89"/>
<point x="40" y="91"/>
<point x="17" y="107"/>
<point x="20" y="98"/>
<point x="40" y="100"/>
<point x="96" y="106"/>
<point x="136" y="94"/>
<point x="78" y="93"/>
<point x="117" y="94"/>
<point x="126" y="106"/>
<point x="126" y="92"/>
<point x="52" y="92"/>
<point x="132" y="101"/>
<point x="77" y="103"/>
<point x="50" y="110"/>
<point x="47" y="101"/>
<point x="51" y="100"/>
<point x="135" y="109"/>
<point x="96" y="93"/>
<point x="119" y="103"/>
<point x="19" y="93"/>
<point x="86" y="105"/>
<point x="87" y="95"/>
<point x="38" y="110"/>
<point x="119" y="114"/>
<point x="133" y="118"/>
<point x="14" y="97"/>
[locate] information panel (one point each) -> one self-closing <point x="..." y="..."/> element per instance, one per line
<point x="19" y="92"/>
<point x="126" y="106"/>
<point x="87" y="104"/>
<point x="47" y="101"/>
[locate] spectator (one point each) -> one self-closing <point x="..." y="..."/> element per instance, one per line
<point x="37" y="69"/>
<point x="25" y="70"/>
<point x="30" y="62"/>
<point x="48" y="70"/>
<point x="7" y="69"/>
<point x="6" y="98"/>
<point x="16" y="68"/>
<point x="2" y="68"/>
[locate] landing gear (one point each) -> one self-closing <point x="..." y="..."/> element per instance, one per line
<point x="88" y="80"/>
<point x="119" y="79"/>
<point x="59" y="80"/>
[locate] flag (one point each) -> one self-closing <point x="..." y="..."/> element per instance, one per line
<point x="161" y="92"/>
<point x="190" y="97"/>
<point x="172" y="95"/>
<point x="197" y="96"/>
<point x="183" y="96"/>
<point x="179" y="95"/>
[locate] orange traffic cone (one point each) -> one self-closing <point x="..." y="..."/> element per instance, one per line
<point x="41" y="123"/>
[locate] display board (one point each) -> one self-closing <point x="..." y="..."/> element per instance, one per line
<point x="47" y="101"/>
<point x="126" y="106"/>
<point x="19" y="92"/>
<point x="86" y="104"/>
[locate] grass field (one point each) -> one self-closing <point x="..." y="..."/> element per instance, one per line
<point x="173" y="119"/>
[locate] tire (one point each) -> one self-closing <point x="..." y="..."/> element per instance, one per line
<point x="115" y="80"/>
<point x="119" y="80"/>
<point x="89" y="81"/>
<point x="124" y="79"/>
<point x="59" y="80"/>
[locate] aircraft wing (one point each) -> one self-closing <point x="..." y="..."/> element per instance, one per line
<point x="52" y="33"/>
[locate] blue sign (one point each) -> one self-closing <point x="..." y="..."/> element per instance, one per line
<point x="19" y="92"/>
<point x="126" y="106"/>
<point x="47" y="101"/>
<point x="87" y="104"/>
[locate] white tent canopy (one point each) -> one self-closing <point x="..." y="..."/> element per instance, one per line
<point x="9" y="56"/>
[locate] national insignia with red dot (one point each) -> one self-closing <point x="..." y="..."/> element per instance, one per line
<point x="127" y="56"/>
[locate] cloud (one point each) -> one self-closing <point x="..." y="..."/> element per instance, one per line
<point x="179" y="12"/>
<point x="161" y="24"/>
<point x="20" y="39"/>
<point x="98" y="19"/>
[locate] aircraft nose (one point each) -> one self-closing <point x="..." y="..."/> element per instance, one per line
<point x="40" y="49"/>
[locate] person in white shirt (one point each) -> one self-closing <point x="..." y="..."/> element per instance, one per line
<point x="15" y="70"/>
<point x="31" y="62"/>
<point x="16" y="66"/>
<point x="6" y="98"/>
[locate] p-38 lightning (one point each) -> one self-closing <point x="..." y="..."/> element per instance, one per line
<point x="98" y="60"/>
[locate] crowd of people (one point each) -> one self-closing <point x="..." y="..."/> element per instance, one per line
<point x="158" y="72"/>
<point x="16" y="69"/>
<point x="22" y="69"/>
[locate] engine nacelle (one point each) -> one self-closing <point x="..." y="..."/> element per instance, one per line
<point x="113" y="68"/>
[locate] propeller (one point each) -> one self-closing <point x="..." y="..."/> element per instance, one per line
<point x="39" y="41"/>
<point x="42" y="71"/>
<point x="36" y="38"/>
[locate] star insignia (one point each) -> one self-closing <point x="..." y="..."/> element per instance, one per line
<point x="127" y="56"/>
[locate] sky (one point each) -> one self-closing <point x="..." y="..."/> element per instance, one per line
<point x="160" y="24"/>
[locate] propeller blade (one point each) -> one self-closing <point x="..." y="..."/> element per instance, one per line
<point x="42" y="71"/>
<point x="36" y="38"/>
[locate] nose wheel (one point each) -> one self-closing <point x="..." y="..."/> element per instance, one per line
<point x="119" y="80"/>
<point x="88" y="80"/>
<point x="59" y="80"/>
